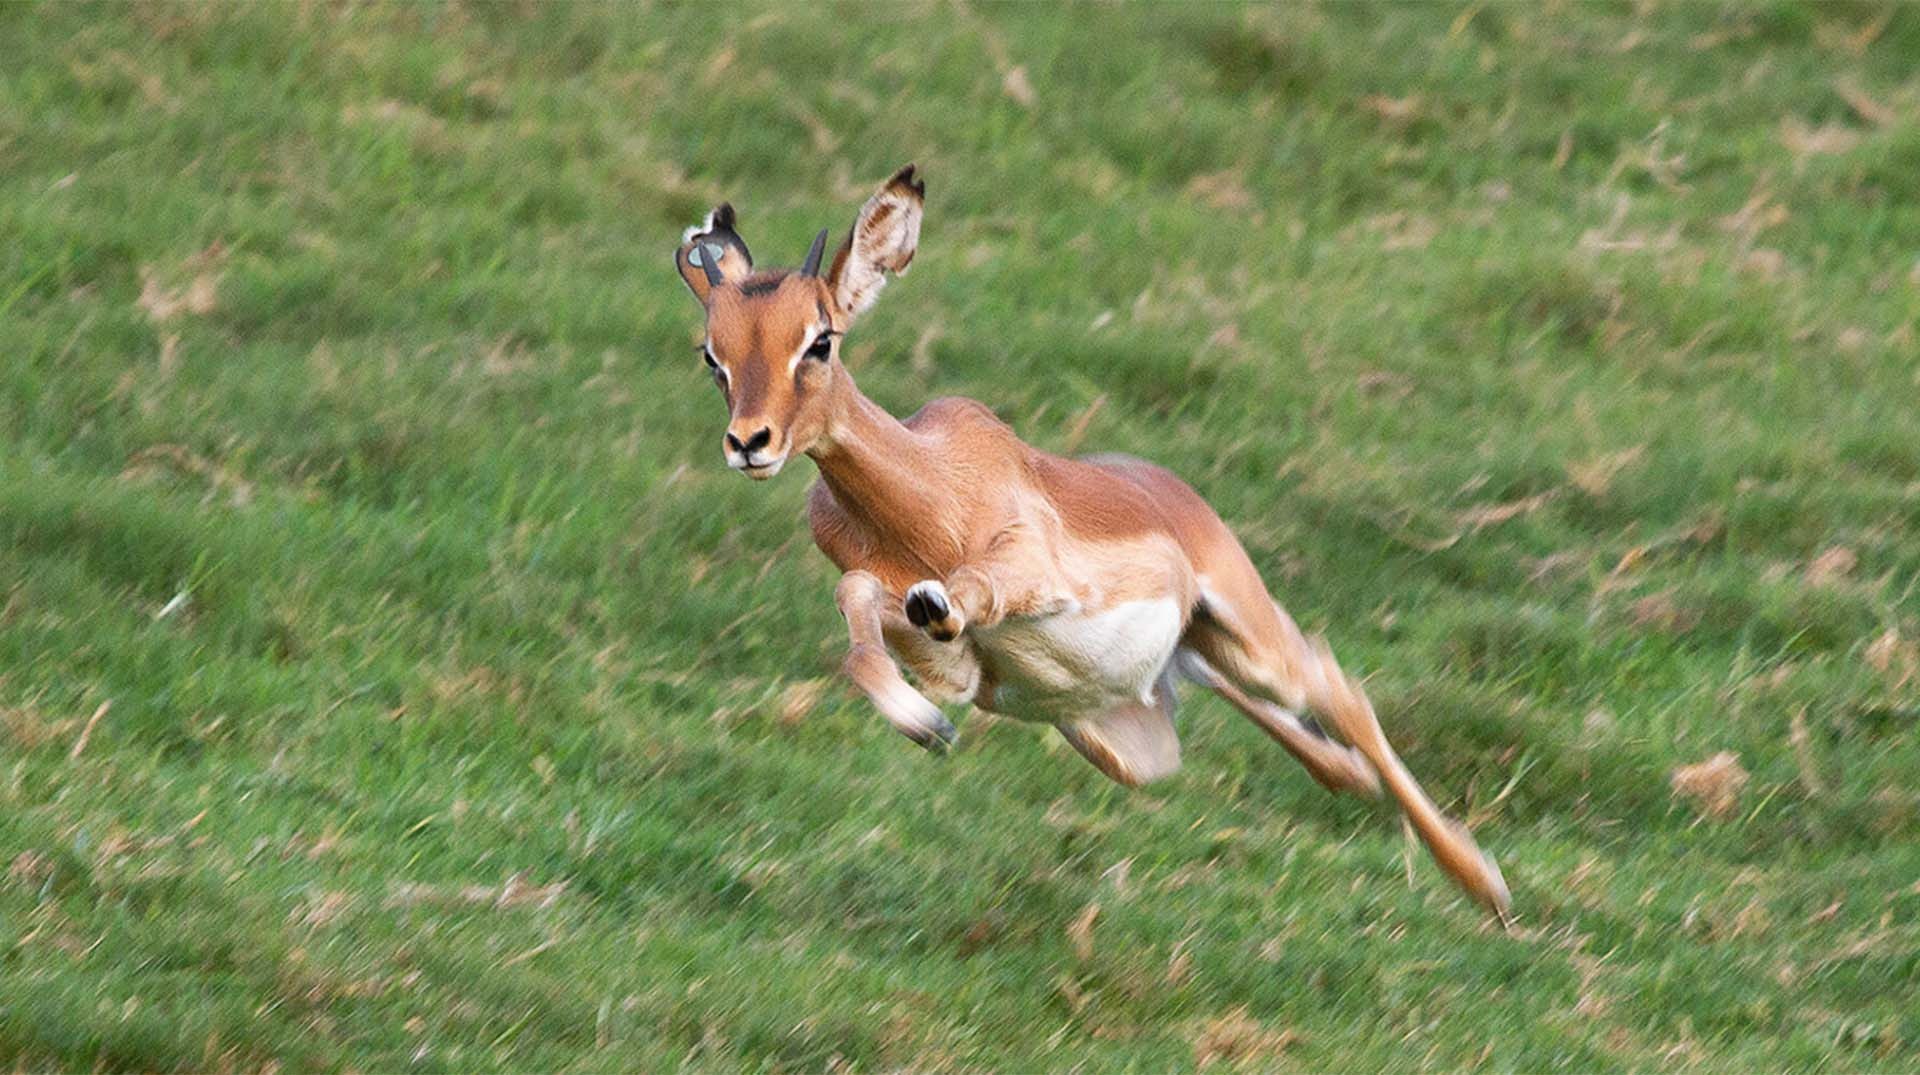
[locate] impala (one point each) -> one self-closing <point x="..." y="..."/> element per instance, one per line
<point x="1073" y="592"/>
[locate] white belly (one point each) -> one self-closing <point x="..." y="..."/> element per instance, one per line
<point x="1072" y="662"/>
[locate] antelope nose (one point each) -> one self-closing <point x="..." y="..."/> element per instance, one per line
<point x="751" y="444"/>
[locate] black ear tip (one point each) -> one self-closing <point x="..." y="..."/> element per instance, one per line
<point x="909" y="177"/>
<point x="723" y="216"/>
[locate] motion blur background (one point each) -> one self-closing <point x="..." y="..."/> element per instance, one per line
<point x="392" y="675"/>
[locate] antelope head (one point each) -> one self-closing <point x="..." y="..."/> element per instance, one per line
<point x="773" y="337"/>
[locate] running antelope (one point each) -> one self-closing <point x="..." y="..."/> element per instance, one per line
<point x="1068" y="591"/>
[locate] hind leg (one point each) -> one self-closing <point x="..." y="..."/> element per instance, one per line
<point x="1257" y="648"/>
<point x="1132" y="743"/>
<point x="1336" y="767"/>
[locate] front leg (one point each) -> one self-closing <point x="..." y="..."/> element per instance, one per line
<point x="931" y="609"/>
<point x="863" y="601"/>
<point x="1010" y="580"/>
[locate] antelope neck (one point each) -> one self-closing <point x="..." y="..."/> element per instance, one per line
<point x="883" y="473"/>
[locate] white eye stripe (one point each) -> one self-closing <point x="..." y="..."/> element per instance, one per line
<point x="793" y="363"/>
<point x="713" y="364"/>
<point x="800" y="356"/>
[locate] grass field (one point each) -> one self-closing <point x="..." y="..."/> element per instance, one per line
<point x="392" y="676"/>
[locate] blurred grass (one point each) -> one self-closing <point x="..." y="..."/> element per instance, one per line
<point x="465" y="713"/>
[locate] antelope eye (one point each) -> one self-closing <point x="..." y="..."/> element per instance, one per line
<point x="718" y="371"/>
<point x="821" y="347"/>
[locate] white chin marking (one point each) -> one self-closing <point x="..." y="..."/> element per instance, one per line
<point x="758" y="473"/>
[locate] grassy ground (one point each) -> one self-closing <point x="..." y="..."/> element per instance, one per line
<point x="457" y="709"/>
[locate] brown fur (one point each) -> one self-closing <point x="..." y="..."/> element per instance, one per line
<point x="1006" y="534"/>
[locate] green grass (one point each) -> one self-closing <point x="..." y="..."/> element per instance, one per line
<point x="463" y="705"/>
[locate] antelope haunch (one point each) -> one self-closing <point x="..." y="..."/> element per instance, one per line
<point x="1068" y="591"/>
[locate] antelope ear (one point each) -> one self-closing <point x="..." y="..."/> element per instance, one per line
<point x="711" y="253"/>
<point x="884" y="238"/>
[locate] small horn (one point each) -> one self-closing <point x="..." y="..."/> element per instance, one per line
<point x="705" y="255"/>
<point x="811" y="267"/>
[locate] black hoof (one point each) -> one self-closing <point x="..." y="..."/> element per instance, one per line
<point x="924" y="607"/>
<point x="939" y="739"/>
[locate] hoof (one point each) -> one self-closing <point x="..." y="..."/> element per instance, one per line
<point x="940" y="736"/>
<point x="1474" y="871"/>
<point x="929" y="610"/>
<point x="916" y="718"/>
<point x="1492" y="891"/>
